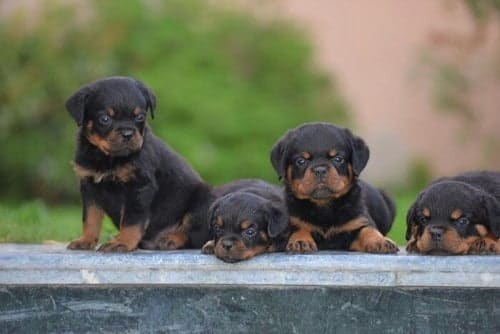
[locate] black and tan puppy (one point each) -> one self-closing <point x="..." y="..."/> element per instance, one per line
<point x="456" y="215"/>
<point x="247" y="219"/>
<point x="130" y="175"/>
<point x="329" y="207"/>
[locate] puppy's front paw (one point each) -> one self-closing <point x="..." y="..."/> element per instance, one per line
<point x="382" y="246"/>
<point x="82" y="243"/>
<point x="370" y="240"/>
<point x="301" y="243"/>
<point x="208" y="247"/>
<point x="115" y="246"/>
<point x="484" y="246"/>
<point x="172" y="241"/>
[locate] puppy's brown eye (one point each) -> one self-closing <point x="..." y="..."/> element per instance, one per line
<point x="249" y="232"/>
<point x="104" y="119"/>
<point x="463" y="221"/>
<point x="338" y="159"/>
<point x="421" y="220"/>
<point x="140" y="118"/>
<point x="300" y="162"/>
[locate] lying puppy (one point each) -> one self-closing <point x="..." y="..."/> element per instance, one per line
<point x="247" y="219"/>
<point x="456" y="215"/>
<point x="130" y="175"/>
<point x="329" y="207"/>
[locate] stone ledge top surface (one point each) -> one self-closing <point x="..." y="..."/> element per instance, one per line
<point x="54" y="265"/>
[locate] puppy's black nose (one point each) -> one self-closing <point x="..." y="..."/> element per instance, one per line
<point x="320" y="171"/>
<point x="227" y="244"/>
<point x="436" y="233"/>
<point x="127" y="134"/>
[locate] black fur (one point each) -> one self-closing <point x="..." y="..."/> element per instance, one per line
<point x="162" y="188"/>
<point x="326" y="207"/>
<point x="475" y="194"/>
<point x="255" y="202"/>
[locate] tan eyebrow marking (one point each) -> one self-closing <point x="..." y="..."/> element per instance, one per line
<point x="455" y="214"/>
<point x="332" y="153"/>
<point x="426" y="212"/>
<point x="306" y="155"/>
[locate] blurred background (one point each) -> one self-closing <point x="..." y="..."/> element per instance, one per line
<point x="418" y="80"/>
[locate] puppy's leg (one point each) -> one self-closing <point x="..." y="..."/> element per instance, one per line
<point x="301" y="240"/>
<point x="370" y="240"/>
<point x="92" y="222"/>
<point x="176" y="237"/>
<point x="132" y="228"/>
<point x="488" y="245"/>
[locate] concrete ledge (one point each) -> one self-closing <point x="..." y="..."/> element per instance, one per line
<point x="54" y="265"/>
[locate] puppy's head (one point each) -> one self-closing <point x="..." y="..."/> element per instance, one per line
<point x="319" y="161"/>
<point x="243" y="225"/>
<point x="112" y="114"/>
<point x="448" y="217"/>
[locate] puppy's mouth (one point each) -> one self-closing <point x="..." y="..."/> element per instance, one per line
<point x="123" y="151"/>
<point x="322" y="191"/>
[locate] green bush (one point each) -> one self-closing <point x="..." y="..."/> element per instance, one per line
<point x="227" y="85"/>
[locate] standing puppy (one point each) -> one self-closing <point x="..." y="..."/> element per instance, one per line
<point x="457" y="215"/>
<point x="130" y="175"/>
<point x="329" y="207"/>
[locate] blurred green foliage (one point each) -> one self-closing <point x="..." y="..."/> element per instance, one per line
<point x="228" y="85"/>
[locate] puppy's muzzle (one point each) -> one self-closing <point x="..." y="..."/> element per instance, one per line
<point x="436" y="233"/>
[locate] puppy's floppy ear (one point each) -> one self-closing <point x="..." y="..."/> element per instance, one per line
<point x="410" y="218"/>
<point x="75" y="104"/>
<point x="277" y="220"/>
<point x="492" y="206"/>
<point x="211" y="214"/>
<point x="149" y="96"/>
<point x="360" y="152"/>
<point x="279" y="154"/>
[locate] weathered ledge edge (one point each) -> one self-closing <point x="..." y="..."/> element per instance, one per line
<point x="54" y="265"/>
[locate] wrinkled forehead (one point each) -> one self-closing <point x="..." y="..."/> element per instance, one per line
<point x="448" y="196"/>
<point x="318" y="140"/>
<point x="238" y="207"/>
<point x="118" y="95"/>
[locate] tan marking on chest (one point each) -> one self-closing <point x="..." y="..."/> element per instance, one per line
<point x="123" y="173"/>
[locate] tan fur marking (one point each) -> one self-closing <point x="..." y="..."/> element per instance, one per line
<point x="426" y="212"/>
<point x="452" y="243"/>
<point x="238" y="251"/>
<point x="370" y="240"/>
<point x="219" y="221"/>
<point x="137" y="111"/>
<point x="172" y="240"/>
<point x="301" y="241"/>
<point x="110" y="112"/>
<point x="349" y="226"/>
<point x="123" y="173"/>
<point x="91" y="229"/>
<point x="455" y="214"/>
<point x="481" y="229"/>
<point x="332" y="153"/>
<point x="245" y="224"/>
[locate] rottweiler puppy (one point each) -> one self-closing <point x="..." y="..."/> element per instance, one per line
<point x="130" y="175"/>
<point x="329" y="207"/>
<point x="247" y="219"/>
<point x="456" y="215"/>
